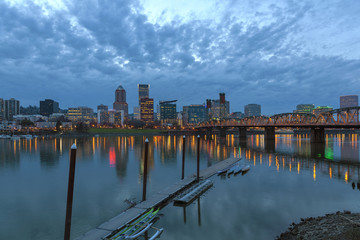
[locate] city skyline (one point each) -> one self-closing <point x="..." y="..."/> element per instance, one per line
<point x="277" y="54"/>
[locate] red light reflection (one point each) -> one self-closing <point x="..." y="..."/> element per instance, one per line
<point x="112" y="157"/>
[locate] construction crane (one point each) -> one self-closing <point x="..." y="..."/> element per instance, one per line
<point x="164" y="102"/>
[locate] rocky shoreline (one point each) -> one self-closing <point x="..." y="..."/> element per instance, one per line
<point x="340" y="225"/>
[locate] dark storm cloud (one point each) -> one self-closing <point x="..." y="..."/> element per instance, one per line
<point x="79" y="55"/>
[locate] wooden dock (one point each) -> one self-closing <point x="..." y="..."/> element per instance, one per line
<point x="160" y="199"/>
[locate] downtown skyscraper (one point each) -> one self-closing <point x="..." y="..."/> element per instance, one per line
<point x="120" y="100"/>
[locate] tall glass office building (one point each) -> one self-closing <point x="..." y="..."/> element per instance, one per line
<point x="349" y="101"/>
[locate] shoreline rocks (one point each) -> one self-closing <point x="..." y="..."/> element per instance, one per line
<point x="340" y="225"/>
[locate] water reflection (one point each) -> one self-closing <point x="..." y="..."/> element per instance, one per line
<point x="104" y="162"/>
<point x="338" y="157"/>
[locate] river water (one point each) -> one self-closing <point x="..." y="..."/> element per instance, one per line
<point x="288" y="180"/>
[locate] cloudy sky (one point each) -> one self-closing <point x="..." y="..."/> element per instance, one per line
<point x="277" y="53"/>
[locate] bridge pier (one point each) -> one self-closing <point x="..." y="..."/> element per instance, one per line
<point x="222" y="132"/>
<point x="242" y="134"/>
<point x="269" y="134"/>
<point x="270" y="146"/>
<point x="317" y="135"/>
<point x="269" y="139"/>
<point x="209" y="133"/>
<point x="318" y="150"/>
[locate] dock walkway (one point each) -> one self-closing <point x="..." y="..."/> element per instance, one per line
<point x="159" y="199"/>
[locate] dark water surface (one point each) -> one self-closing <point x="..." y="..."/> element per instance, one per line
<point x="288" y="180"/>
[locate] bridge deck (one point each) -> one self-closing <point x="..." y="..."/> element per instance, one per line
<point x="160" y="199"/>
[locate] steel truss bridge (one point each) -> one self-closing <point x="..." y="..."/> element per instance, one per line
<point x="337" y="118"/>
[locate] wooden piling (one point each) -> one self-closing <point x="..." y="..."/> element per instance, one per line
<point x="145" y="168"/>
<point x="198" y="158"/>
<point x="183" y="159"/>
<point x="70" y="192"/>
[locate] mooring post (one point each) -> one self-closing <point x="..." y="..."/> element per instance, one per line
<point x="183" y="158"/>
<point x="70" y="192"/>
<point x="145" y="168"/>
<point x="198" y="158"/>
<point x="199" y="212"/>
<point x="184" y="210"/>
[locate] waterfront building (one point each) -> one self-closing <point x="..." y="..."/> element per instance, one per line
<point x="111" y="117"/>
<point x="52" y="124"/>
<point x="252" y="110"/>
<point x="137" y="113"/>
<point x="143" y="91"/>
<point x="80" y="114"/>
<point x="179" y="119"/>
<point x="147" y="110"/>
<point x="103" y="117"/>
<point x="33" y="118"/>
<point x="120" y="100"/>
<point x="11" y="108"/>
<point x="168" y="113"/>
<point x="304" y="108"/>
<point x="218" y="109"/>
<point x="157" y="117"/>
<point x="349" y="101"/>
<point x="30" y="110"/>
<point x="101" y="108"/>
<point x="116" y="117"/>
<point x="48" y="106"/>
<point x="194" y="114"/>
<point x="237" y="115"/>
<point x="57" y="117"/>
<point x="321" y="109"/>
<point x="2" y="116"/>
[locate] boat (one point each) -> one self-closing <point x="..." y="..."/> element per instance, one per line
<point x="190" y="194"/>
<point x="245" y="168"/>
<point x="137" y="228"/>
<point x="228" y="168"/>
<point x="233" y="168"/>
<point x="238" y="169"/>
<point x="5" y="137"/>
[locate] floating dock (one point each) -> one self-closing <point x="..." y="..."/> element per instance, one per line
<point x="193" y="192"/>
<point x="158" y="200"/>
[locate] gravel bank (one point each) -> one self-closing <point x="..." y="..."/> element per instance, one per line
<point x="340" y="225"/>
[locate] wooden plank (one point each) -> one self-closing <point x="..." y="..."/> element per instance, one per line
<point x="177" y="187"/>
<point x="212" y="170"/>
<point x="122" y="219"/>
<point x="153" y="202"/>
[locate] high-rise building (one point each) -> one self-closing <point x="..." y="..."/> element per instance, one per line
<point x="321" y="109"/>
<point x="83" y="114"/>
<point x="168" y="113"/>
<point x="194" y="114"/>
<point x="304" y="108"/>
<point x="120" y="100"/>
<point x="101" y="108"/>
<point x="143" y="91"/>
<point x="2" y="109"/>
<point x="11" y="108"/>
<point x="218" y="109"/>
<point x="137" y="113"/>
<point x="236" y="115"/>
<point x="349" y="101"/>
<point x="111" y="117"/>
<point x="252" y="110"/>
<point x="48" y="107"/>
<point x="147" y="110"/>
